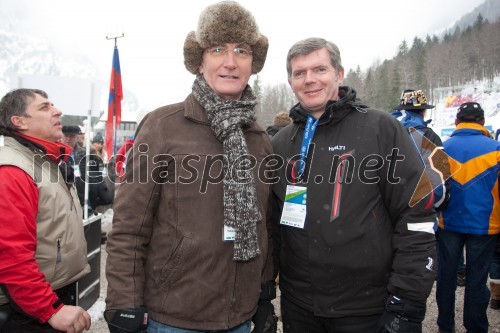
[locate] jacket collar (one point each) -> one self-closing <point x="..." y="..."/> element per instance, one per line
<point x="335" y="110"/>
<point x="473" y="128"/>
<point x="56" y="151"/>
<point x="409" y="118"/>
<point x="195" y="112"/>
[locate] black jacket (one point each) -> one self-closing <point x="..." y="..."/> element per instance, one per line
<point x="346" y="261"/>
<point x="273" y="129"/>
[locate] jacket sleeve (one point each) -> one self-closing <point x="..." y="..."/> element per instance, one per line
<point x="408" y="198"/>
<point x="275" y="207"/>
<point x="20" y="275"/>
<point x="437" y="168"/>
<point x="134" y="208"/>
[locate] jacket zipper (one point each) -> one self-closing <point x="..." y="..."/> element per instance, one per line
<point x="232" y="297"/>
<point x="58" y="250"/>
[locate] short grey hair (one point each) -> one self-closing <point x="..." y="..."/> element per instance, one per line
<point x="308" y="45"/>
<point x="15" y="103"/>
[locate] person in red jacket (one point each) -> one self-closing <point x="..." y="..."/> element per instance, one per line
<point x="42" y="244"/>
<point x="121" y="156"/>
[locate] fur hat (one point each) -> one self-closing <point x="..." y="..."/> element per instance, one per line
<point x="220" y="23"/>
<point x="413" y="100"/>
<point x="282" y="119"/>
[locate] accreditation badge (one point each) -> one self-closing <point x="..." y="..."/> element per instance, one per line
<point x="295" y="207"/>
<point x="229" y="234"/>
<point x="76" y="171"/>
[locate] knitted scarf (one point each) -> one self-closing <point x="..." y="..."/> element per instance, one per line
<point x="240" y="200"/>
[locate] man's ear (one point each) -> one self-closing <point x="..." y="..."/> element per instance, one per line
<point x="19" y="122"/>
<point x="341" y="75"/>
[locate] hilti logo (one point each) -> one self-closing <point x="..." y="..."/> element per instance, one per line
<point x="336" y="148"/>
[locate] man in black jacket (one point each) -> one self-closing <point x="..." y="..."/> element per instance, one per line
<point x="353" y="221"/>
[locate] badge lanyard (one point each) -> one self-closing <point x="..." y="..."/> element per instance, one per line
<point x="306" y="142"/>
<point x="294" y="210"/>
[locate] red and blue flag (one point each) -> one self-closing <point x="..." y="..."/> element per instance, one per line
<point x="114" y="104"/>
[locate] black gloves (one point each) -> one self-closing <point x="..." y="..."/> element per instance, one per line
<point x="401" y="316"/>
<point x="127" y="320"/>
<point x="264" y="320"/>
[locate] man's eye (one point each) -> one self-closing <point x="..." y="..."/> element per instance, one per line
<point x="298" y="75"/>
<point x="240" y="51"/>
<point x="217" y="50"/>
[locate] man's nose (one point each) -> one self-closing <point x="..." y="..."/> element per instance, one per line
<point x="310" y="76"/>
<point x="56" y="111"/>
<point x="230" y="59"/>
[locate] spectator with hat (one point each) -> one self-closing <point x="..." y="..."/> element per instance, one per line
<point x="101" y="188"/>
<point x="70" y="135"/>
<point x="98" y="145"/>
<point x="280" y="120"/>
<point x="81" y="137"/>
<point x="472" y="218"/>
<point x="411" y="113"/>
<point x="192" y="247"/>
<point x="70" y="138"/>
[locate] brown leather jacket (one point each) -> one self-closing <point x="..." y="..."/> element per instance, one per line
<point x="166" y="248"/>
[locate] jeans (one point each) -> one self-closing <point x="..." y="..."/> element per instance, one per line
<point x="495" y="263"/>
<point x="461" y="263"/>
<point x="299" y="320"/>
<point x="478" y="255"/>
<point x="156" y="327"/>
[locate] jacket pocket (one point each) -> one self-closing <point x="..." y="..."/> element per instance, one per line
<point x="172" y="270"/>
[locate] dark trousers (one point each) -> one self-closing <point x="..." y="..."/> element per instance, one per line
<point x="479" y="250"/>
<point x="299" y="320"/>
<point x="20" y="322"/>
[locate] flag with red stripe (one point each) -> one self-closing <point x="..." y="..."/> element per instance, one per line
<point x="114" y="104"/>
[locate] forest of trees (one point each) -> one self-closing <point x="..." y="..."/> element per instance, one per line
<point x="454" y="59"/>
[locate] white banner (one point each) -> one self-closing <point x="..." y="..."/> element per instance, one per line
<point x="72" y="96"/>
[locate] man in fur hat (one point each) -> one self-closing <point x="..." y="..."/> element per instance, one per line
<point x="190" y="242"/>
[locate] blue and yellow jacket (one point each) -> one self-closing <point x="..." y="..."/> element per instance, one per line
<point x="474" y="207"/>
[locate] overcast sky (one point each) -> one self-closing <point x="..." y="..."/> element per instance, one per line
<point x="151" y="51"/>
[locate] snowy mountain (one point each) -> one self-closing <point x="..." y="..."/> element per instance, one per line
<point x="21" y="55"/>
<point x="489" y="10"/>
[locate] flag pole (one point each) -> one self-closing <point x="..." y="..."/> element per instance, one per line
<point x="87" y="153"/>
<point x="113" y="147"/>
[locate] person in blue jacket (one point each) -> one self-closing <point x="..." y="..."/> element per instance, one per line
<point x="472" y="218"/>
<point x="411" y="113"/>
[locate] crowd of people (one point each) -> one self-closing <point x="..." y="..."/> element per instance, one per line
<point x="353" y="212"/>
